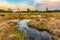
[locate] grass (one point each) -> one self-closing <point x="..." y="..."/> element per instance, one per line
<point x="18" y="33"/>
<point x="40" y="26"/>
<point x="10" y="32"/>
<point x="9" y="16"/>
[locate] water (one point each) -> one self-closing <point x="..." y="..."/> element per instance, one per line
<point x="32" y="33"/>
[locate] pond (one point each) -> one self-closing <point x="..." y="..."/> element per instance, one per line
<point x="32" y="33"/>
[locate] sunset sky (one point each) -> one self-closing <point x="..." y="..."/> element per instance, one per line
<point x="32" y="4"/>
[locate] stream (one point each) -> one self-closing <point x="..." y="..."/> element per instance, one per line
<point x="32" y="33"/>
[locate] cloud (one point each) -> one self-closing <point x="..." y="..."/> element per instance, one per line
<point x="22" y="6"/>
<point x="32" y="4"/>
<point x="50" y="4"/>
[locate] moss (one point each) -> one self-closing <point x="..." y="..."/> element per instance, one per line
<point x="42" y="26"/>
<point x="19" y="35"/>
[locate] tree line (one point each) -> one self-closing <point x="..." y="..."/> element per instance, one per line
<point x="28" y="11"/>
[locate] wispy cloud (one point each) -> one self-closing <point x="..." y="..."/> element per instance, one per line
<point x="32" y="4"/>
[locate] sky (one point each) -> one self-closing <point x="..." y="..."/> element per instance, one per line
<point x="31" y="4"/>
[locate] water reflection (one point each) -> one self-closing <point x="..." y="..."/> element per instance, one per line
<point x="31" y="33"/>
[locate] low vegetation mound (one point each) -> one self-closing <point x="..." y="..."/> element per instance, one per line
<point x="51" y="25"/>
<point x="9" y="31"/>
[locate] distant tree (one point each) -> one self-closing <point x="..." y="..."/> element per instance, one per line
<point x="1" y="10"/>
<point x="56" y="10"/>
<point x="47" y="9"/>
<point x="28" y="10"/>
<point x="9" y="10"/>
<point x="36" y="10"/>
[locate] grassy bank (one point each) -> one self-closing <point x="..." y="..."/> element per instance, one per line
<point x="51" y="25"/>
<point x="40" y="21"/>
<point x="9" y="31"/>
<point x="9" y="16"/>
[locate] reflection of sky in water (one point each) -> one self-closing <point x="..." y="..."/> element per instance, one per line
<point x="31" y="33"/>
